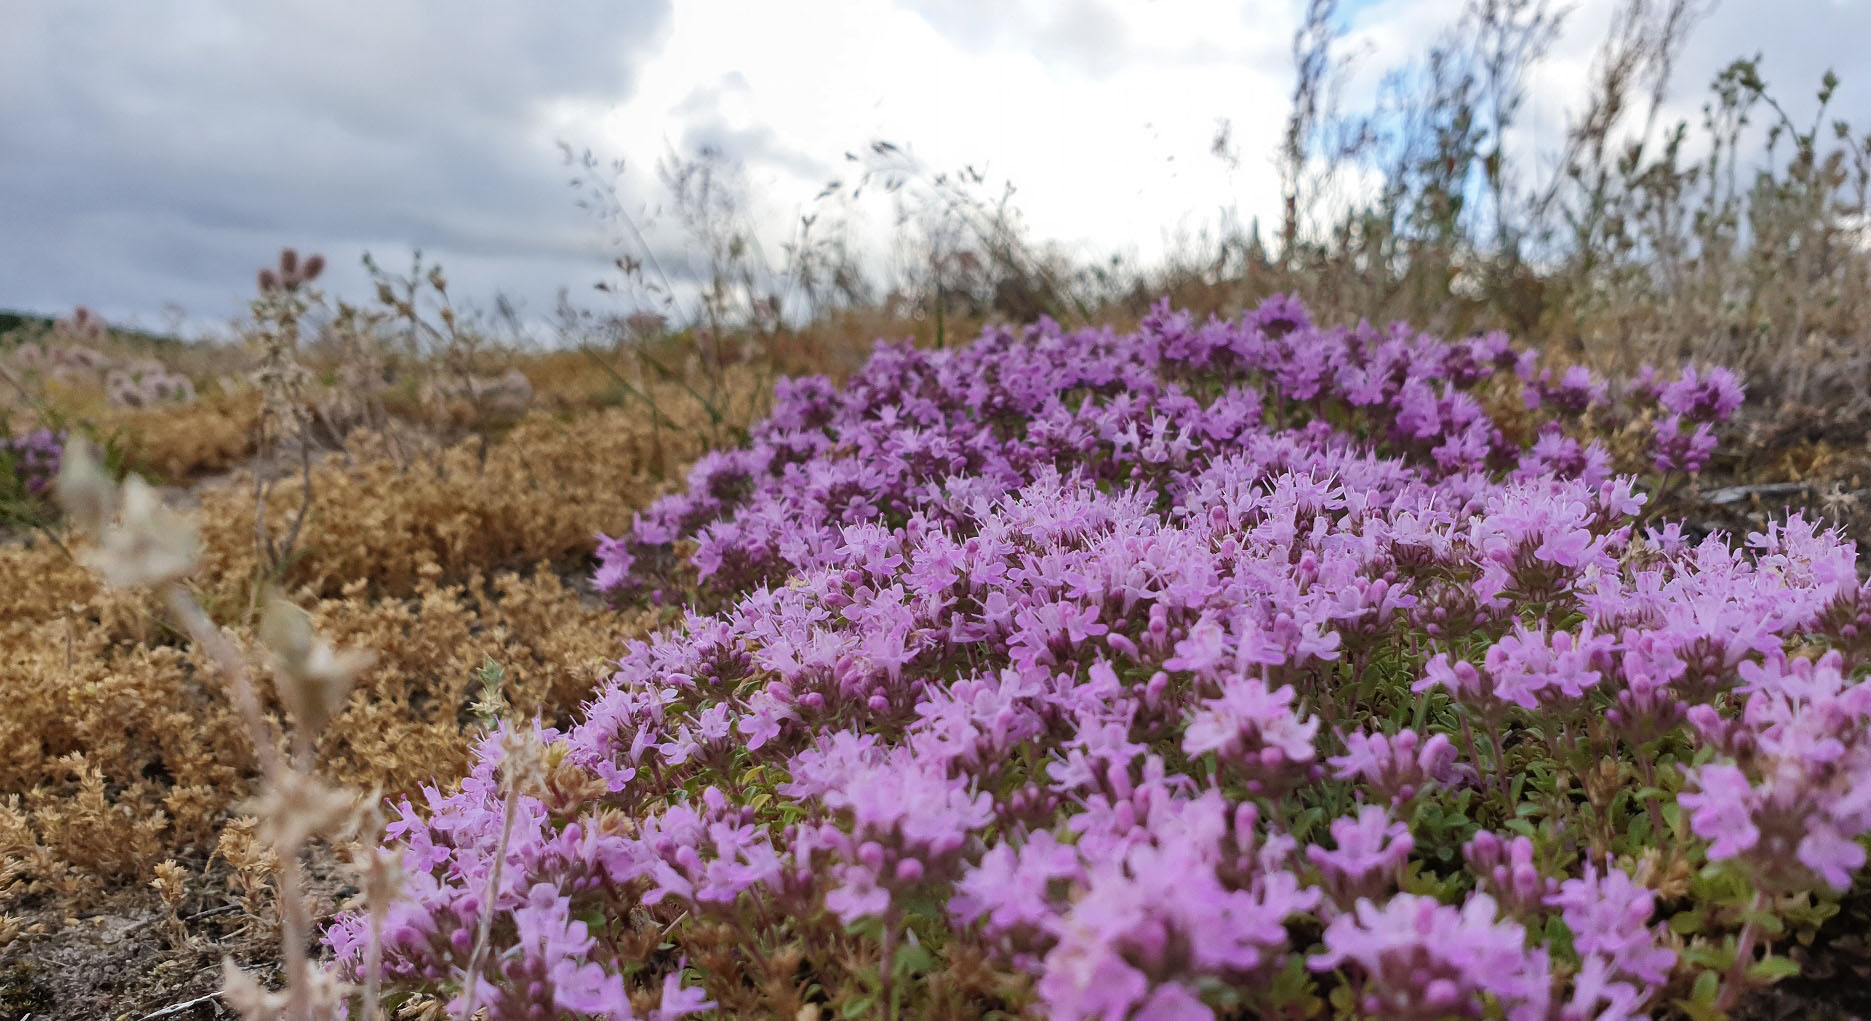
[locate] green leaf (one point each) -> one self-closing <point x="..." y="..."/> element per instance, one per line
<point x="859" y="1006"/>
<point x="913" y="959"/>
<point x="1701" y="1002"/>
<point x="1559" y="936"/>
<point x="1686" y="923"/>
<point x="1769" y="923"/>
<point x="1773" y="969"/>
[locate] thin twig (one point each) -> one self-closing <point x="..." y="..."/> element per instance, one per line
<point x="14" y="381"/>
<point x="211" y="912"/>
<point x="178" y="1008"/>
<point x="655" y="413"/>
<point x="1736" y="494"/>
<point x="305" y="500"/>
<point x="153" y="919"/>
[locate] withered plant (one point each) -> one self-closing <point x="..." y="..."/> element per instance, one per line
<point x="285" y="409"/>
<point x="140" y="543"/>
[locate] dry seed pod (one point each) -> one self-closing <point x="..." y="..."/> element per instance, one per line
<point x="269" y="281"/>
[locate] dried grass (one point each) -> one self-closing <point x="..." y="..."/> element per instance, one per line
<point x="118" y="749"/>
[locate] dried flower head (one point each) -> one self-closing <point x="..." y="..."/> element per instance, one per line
<point x="140" y="542"/>
<point x="149" y="545"/>
<point x="296" y="807"/>
<point x="312" y="678"/>
<point x="85" y="490"/>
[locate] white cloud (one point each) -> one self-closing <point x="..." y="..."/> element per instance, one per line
<point x="159" y="153"/>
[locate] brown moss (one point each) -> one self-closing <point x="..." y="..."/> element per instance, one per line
<point x="180" y="442"/>
<point x="118" y="747"/>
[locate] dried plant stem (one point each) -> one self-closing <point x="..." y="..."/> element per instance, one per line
<point x="484" y="936"/>
<point x="373" y="960"/>
<point x="657" y="418"/>
<point x="293" y="911"/>
<point x="305" y="502"/>
<point x="297" y="917"/>
<point x="177" y="1008"/>
<point x="209" y="636"/>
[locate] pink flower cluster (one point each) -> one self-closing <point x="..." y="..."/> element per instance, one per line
<point x="1121" y="651"/>
<point x="32" y="460"/>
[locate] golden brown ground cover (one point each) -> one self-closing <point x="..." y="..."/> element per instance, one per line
<point x="122" y="766"/>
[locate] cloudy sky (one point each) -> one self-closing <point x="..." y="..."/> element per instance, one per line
<point x="154" y="155"/>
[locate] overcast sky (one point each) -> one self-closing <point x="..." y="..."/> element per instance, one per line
<point x="156" y="154"/>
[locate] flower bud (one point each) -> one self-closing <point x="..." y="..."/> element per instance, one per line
<point x="871" y="854"/>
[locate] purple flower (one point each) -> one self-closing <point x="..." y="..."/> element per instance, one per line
<point x="1703" y="398"/>
<point x="1419" y="959"/>
<point x="1255" y="730"/>
<point x="1719" y="810"/>
<point x="1370" y="850"/>
<point x="1395" y="768"/>
<point x="680" y="1001"/>
<point x="1011" y="888"/>
<point x="1505" y="870"/>
<point x="1028" y="628"/>
<point x="1801" y="786"/>
<point x="1610" y="917"/>
<point x="1678" y="447"/>
<point x="34" y="459"/>
<point x="553" y="971"/>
